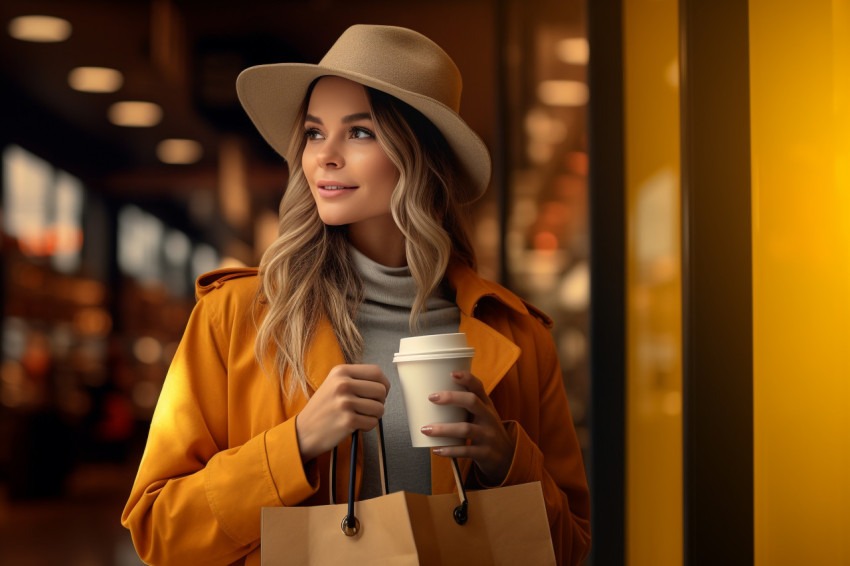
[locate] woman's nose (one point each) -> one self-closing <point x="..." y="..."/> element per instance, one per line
<point x="330" y="156"/>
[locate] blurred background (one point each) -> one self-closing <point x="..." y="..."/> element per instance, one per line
<point x="678" y="202"/>
<point x="129" y="168"/>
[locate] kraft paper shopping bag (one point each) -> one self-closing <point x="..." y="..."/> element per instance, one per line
<point x="501" y="526"/>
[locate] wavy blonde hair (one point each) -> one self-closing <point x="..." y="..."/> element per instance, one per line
<point x="307" y="274"/>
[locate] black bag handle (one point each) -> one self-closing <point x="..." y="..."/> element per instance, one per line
<point x="350" y="524"/>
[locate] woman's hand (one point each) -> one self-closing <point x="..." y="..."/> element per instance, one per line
<point x="351" y="398"/>
<point x="490" y="446"/>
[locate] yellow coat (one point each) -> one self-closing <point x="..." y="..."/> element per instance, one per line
<point x="222" y="442"/>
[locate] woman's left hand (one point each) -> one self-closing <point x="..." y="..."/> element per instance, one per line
<point x="490" y="446"/>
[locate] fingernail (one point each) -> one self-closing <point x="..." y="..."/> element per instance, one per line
<point x="438" y="451"/>
<point x="457" y="374"/>
<point x="425" y="429"/>
<point x="434" y="397"/>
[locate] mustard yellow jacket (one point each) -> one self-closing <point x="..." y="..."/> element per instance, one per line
<point x="222" y="442"/>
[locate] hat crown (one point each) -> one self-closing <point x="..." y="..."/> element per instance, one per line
<point x="399" y="57"/>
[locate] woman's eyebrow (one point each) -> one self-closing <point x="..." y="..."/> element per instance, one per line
<point x="357" y="117"/>
<point x="345" y="120"/>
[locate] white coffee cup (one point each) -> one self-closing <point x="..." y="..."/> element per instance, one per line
<point x="425" y="364"/>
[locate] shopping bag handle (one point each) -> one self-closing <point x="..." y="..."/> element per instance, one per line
<point x="350" y="524"/>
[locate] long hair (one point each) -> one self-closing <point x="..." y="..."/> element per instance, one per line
<point x="307" y="274"/>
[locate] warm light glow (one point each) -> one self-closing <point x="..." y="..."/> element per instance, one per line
<point x="40" y="29"/>
<point x="147" y="349"/>
<point x="229" y="261"/>
<point x="179" y="151"/>
<point x="545" y="242"/>
<point x="654" y="474"/>
<point x="574" y="50"/>
<point x="95" y="79"/>
<point x="539" y="125"/>
<point x="93" y="321"/>
<point x="563" y="93"/>
<point x="265" y="231"/>
<point x="87" y="292"/>
<point x="234" y="198"/>
<point x="800" y="137"/>
<point x="671" y="73"/>
<point x="135" y="114"/>
<point x="574" y="289"/>
<point x="43" y="208"/>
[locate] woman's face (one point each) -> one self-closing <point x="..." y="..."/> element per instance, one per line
<point x="350" y="176"/>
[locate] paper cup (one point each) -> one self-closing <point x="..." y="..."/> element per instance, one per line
<point x="425" y="364"/>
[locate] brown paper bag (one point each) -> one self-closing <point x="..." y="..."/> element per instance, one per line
<point x="505" y="526"/>
<point x="493" y="527"/>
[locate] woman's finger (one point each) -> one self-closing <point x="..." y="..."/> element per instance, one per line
<point x="364" y="389"/>
<point x="366" y="372"/>
<point x="361" y="406"/>
<point x="464" y="399"/>
<point x="473" y="432"/>
<point x="471" y="383"/>
<point x="360" y="379"/>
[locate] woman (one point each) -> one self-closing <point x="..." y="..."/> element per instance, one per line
<point x="280" y="365"/>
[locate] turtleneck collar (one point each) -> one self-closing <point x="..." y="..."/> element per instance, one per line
<point x="394" y="286"/>
<point x="385" y="285"/>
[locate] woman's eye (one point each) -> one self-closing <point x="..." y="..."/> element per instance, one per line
<point x="312" y="134"/>
<point x="359" y="133"/>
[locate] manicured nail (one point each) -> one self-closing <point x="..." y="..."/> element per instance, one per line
<point x="425" y="429"/>
<point x="434" y="397"/>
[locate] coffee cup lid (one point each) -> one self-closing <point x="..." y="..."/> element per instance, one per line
<point x="432" y="343"/>
<point x="434" y="355"/>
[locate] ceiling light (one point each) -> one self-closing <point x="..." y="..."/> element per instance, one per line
<point x="135" y="114"/>
<point x="563" y="93"/>
<point x="574" y="50"/>
<point x="179" y="151"/>
<point x="95" y="79"/>
<point x="40" y="29"/>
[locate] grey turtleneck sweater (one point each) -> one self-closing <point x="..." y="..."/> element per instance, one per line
<point x="383" y="319"/>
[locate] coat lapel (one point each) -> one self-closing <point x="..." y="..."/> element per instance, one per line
<point x="494" y="354"/>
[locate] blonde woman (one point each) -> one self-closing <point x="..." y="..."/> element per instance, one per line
<point x="280" y="364"/>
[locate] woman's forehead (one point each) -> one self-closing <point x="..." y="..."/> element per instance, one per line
<point x="336" y="95"/>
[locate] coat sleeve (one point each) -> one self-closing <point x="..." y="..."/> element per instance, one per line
<point x="554" y="458"/>
<point x="196" y="499"/>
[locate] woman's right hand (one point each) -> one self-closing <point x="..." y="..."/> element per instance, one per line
<point x="351" y="398"/>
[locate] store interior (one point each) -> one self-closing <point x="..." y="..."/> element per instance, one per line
<point x="129" y="169"/>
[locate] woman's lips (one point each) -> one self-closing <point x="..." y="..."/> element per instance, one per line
<point x="330" y="189"/>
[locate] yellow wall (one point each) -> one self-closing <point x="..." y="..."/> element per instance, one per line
<point x="654" y="370"/>
<point x="800" y="112"/>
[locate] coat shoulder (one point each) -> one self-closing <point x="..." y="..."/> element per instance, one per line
<point x="505" y="300"/>
<point x="236" y="278"/>
<point x="538" y="314"/>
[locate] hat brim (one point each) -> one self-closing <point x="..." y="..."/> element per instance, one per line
<point x="272" y="95"/>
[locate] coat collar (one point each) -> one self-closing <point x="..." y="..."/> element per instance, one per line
<point x="495" y="354"/>
<point x="471" y="288"/>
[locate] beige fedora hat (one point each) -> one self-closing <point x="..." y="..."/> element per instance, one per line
<point x="395" y="60"/>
